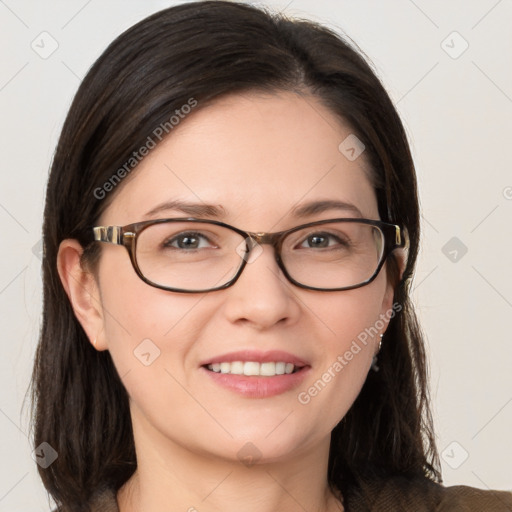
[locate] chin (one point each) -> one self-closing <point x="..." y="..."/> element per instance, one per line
<point x="259" y="447"/>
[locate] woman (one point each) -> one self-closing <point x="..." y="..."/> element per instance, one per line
<point x="253" y="343"/>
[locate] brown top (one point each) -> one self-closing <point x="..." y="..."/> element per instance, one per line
<point x="395" y="495"/>
<point x="400" y="494"/>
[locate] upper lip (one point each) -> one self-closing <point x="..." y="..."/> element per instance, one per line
<point x="257" y="356"/>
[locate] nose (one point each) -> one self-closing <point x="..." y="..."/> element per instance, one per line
<point x="262" y="296"/>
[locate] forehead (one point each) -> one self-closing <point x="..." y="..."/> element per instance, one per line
<point x="256" y="157"/>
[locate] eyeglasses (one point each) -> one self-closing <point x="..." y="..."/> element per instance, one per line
<point x="193" y="255"/>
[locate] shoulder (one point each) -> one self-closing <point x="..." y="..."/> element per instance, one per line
<point x="400" y="493"/>
<point x="472" y="499"/>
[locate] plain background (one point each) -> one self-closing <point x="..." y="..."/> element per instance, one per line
<point x="456" y="104"/>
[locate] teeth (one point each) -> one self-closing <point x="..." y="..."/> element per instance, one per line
<point x="237" y="368"/>
<point x="267" y="369"/>
<point x="252" y="368"/>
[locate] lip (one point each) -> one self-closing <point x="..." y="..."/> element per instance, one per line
<point x="256" y="356"/>
<point x="258" y="387"/>
<point x="254" y="386"/>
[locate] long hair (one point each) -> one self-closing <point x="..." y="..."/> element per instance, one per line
<point x="204" y="51"/>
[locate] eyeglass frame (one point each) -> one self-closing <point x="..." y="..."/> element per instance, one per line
<point x="395" y="237"/>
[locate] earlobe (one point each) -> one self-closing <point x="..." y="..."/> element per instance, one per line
<point x="82" y="291"/>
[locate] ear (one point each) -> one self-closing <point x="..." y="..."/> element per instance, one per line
<point x="402" y="254"/>
<point x="82" y="290"/>
<point x="388" y="307"/>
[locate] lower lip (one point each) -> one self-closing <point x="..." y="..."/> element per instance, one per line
<point x="259" y="387"/>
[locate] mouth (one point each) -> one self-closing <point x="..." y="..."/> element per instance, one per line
<point x="255" y="374"/>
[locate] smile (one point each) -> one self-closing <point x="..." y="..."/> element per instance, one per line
<point x="253" y="368"/>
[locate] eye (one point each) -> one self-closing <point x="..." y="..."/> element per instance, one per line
<point x="322" y="239"/>
<point x="187" y="240"/>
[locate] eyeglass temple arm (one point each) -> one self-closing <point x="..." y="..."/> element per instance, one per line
<point x="401" y="237"/>
<point x="110" y="234"/>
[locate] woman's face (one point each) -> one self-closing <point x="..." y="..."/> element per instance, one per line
<point x="257" y="158"/>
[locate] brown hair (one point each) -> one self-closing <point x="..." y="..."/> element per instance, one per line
<point x="206" y="50"/>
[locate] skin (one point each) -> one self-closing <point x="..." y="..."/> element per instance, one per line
<point x="257" y="156"/>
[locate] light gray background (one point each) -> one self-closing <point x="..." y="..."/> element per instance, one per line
<point x="457" y="109"/>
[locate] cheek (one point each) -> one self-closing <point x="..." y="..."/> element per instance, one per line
<point x="352" y="325"/>
<point x="354" y="317"/>
<point x="147" y="330"/>
<point x="150" y="334"/>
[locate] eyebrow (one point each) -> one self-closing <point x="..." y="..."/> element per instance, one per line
<point x="193" y="209"/>
<point x="203" y="210"/>
<point x="313" y="207"/>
